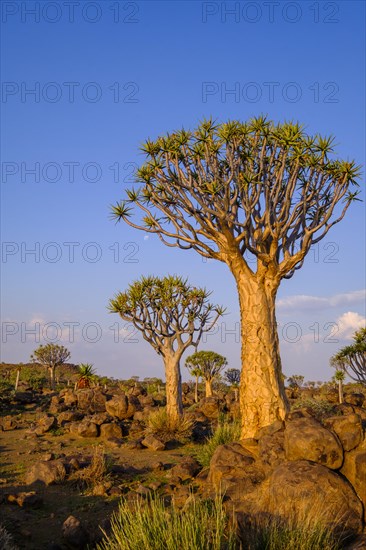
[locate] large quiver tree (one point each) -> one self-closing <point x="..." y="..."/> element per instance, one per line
<point x="352" y="358"/>
<point x="255" y="196"/>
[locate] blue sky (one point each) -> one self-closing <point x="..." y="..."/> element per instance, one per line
<point x="106" y="76"/>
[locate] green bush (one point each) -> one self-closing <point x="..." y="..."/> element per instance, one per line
<point x="226" y="432"/>
<point x="201" y="525"/>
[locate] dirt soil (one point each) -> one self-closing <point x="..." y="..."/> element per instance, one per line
<point x="41" y="528"/>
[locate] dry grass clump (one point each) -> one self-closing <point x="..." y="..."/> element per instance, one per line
<point x="201" y="525"/>
<point x="96" y="473"/>
<point x="168" y="429"/>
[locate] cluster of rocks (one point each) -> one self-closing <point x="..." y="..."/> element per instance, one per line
<point x="93" y="413"/>
<point x="296" y="465"/>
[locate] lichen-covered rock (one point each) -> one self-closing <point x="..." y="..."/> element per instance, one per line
<point x="354" y="469"/>
<point x="301" y="490"/>
<point x="307" y="439"/>
<point x="69" y="416"/>
<point x="234" y="470"/>
<point x="70" y="398"/>
<point x="153" y="443"/>
<point x="44" y="424"/>
<point x="47" y="472"/>
<point x="91" y="400"/>
<point x="118" y="406"/>
<point x="187" y="469"/>
<point x="348" y="429"/>
<point x="57" y="405"/>
<point x="8" y="423"/>
<point x="355" y="399"/>
<point x="210" y="407"/>
<point x="111" y="430"/>
<point x="88" y="429"/>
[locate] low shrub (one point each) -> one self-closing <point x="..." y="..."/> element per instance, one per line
<point x="97" y="472"/>
<point x="320" y="409"/>
<point x="168" y="429"/>
<point x="200" y="525"/>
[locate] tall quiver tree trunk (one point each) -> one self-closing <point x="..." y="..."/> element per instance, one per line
<point x="174" y="404"/>
<point x="262" y="392"/>
<point x="196" y="390"/>
<point x="208" y="387"/>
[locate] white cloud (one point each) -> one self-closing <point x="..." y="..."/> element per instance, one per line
<point x="348" y="323"/>
<point x="305" y="302"/>
<point x="146" y="237"/>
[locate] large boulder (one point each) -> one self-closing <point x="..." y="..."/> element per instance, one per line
<point x="210" y="407"/>
<point x="57" y="405"/>
<point x="355" y="399"/>
<point x="271" y="446"/>
<point x="47" y="472"/>
<point x="348" y="429"/>
<point x="187" y="469"/>
<point x="91" y="400"/>
<point x="87" y="429"/>
<point x="302" y="490"/>
<point x="117" y="406"/>
<point x="108" y="431"/>
<point x="122" y="407"/>
<point x="44" y="424"/>
<point x="70" y="398"/>
<point x="234" y="470"/>
<point x="354" y="469"/>
<point x="307" y="439"/>
<point x="69" y="416"/>
<point x="153" y="443"/>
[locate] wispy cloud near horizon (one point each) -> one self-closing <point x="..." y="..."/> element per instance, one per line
<point x="307" y="302"/>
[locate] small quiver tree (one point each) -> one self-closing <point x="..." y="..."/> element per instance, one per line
<point x="210" y="364"/>
<point x="51" y="356"/>
<point x="171" y="315"/>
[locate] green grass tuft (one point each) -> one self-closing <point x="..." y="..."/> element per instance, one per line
<point x="226" y="432"/>
<point x="201" y="525"/>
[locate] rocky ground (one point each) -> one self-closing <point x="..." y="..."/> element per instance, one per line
<point x="68" y="457"/>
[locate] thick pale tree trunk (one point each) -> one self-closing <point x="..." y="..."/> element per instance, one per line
<point x="51" y="370"/>
<point x="262" y="393"/>
<point x="196" y="391"/>
<point x="174" y="404"/>
<point x="208" y="386"/>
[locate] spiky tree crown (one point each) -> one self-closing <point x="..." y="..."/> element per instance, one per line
<point x="165" y="309"/>
<point x="209" y="363"/>
<point x="353" y="358"/>
<point x="51" y="355"/>
<point x="268" y="189"/>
